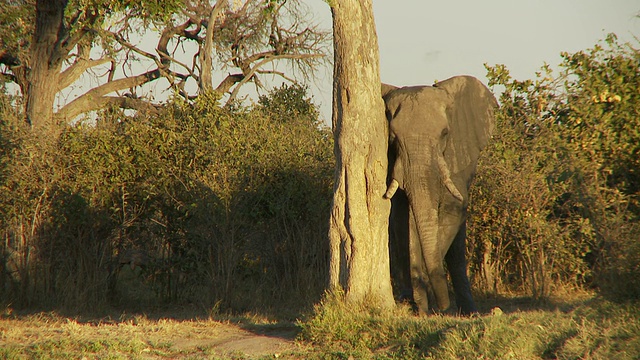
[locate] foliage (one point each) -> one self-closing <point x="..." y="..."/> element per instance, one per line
<point x="202" y="204"/>
<point x="100" y="43"/>
<point x="16" y="24"/>
<point x="288" y="103"/>
<point x="556" y="196"/>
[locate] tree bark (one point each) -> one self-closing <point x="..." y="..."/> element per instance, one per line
<point x="358" y="234"/>
<point x="96" y="98"/>
<point x="206" y="53"/>
<point x="46" y="62"/>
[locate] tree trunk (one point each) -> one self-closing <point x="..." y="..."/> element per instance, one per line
<point x="358" y="232"/>
<point x="46" y="62"/>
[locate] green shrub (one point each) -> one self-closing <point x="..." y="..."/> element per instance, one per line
<point x="289" y="103"/>
<point x="203" y="204"/>
<point x="556" y="194"/>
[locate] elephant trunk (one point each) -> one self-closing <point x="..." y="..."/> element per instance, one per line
<point x="426" y="219"/>
<point x="421" y="184"/>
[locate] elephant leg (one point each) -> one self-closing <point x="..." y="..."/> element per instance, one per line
<point x="457" y="266"/>
<point x="399" y="246"/>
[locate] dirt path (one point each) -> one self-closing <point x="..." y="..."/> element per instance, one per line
<point x="231" y="340"/>
<point x="54" y="336"/>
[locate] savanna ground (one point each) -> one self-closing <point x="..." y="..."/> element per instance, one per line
<point x="575" y="325"/>
<point x="168" y="336"/>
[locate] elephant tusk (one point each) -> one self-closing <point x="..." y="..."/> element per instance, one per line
<point x="446" y="178"/>
<point x="391" y="189"/>
<point x="453" y="189"/>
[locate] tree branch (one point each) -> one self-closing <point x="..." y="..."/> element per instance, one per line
<point x="11" y="77"/>
<point x="279" y="73"/>
<point x="9" y="59"/>
<point x="264" y="61"/>
<point x="89" y="20"/>
<point x="88" y="100"/>
<point x="169" y="32"/>
<point x="206" y="67"/>
<point x="73" y="72"/>
<point x="19" y="71"/>
<point x="122" y="102"/>
<point x="228" y="82"/>
<point x="134" y="48"/>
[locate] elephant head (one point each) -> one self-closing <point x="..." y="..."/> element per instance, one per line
<point x="436" y="135"/>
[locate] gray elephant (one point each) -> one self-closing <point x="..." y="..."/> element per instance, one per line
<point x="436" y="135"/>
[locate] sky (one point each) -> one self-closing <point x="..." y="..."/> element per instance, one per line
<point x="422" y="41"/>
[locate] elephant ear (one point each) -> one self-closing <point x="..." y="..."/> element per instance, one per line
<point x="471" y="121"/>
<point x="386" y="89"/>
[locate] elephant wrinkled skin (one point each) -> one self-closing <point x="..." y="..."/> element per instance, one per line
<point x="435" y="138"/>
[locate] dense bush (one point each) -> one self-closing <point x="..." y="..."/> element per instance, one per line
<point x="229" y="206"/>
<point x="556" y="196"/>
<point x="198" y="204"/>
<point x="289" y="103"/>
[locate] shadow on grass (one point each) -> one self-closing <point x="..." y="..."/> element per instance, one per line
<point x="564" y="302"/>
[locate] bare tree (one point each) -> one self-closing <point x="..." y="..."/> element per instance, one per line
<point x="358" y="234"/>
<point x="66" y="40"/>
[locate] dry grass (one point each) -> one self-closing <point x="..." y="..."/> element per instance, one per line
<point x="48" y="335"/>
<point x="581" y="327"/>
<point x="573" y="325"/>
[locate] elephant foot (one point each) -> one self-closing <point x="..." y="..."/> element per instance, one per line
<point x="418" y="310"/>
<point x="420" y="305"/>
<point x="405" y="296"/>
<point x="468" y="310"/>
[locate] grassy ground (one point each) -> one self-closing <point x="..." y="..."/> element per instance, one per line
<point x="585" y="327"/>
<point x="187" y="336"/>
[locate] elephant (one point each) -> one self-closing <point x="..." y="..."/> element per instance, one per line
<point x="436" y="134"/>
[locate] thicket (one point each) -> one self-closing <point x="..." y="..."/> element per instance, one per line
<point x="556" y="198"/>
<point x="216" y="206"/>
<point x="228" y="206"/>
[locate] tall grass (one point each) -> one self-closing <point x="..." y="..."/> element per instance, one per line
<point x="595" y="329"/>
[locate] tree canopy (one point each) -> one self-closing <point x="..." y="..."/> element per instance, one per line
<point x="60" y="43"/>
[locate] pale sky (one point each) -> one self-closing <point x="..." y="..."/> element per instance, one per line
<point x="421" y="41"/>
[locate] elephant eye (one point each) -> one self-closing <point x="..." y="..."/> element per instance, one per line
<point x="445" y="132"/>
